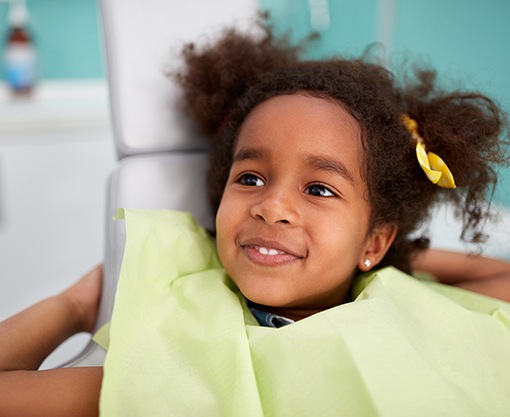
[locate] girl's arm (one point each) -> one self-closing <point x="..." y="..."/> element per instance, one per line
<point x="28" y="337"/>
<point x="475" y="273"/>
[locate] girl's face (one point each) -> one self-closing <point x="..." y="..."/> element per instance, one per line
<point x="293" y="223"/>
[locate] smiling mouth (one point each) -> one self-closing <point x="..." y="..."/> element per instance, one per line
<point x="267" y="255"/>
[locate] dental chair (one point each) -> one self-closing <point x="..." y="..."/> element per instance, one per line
<point x="162" y="159"/>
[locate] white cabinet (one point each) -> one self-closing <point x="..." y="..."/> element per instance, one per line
<point x="56" y="152"/>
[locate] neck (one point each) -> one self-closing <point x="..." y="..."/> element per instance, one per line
<point x="298" y="313"/>
<point x="290" y="313"/>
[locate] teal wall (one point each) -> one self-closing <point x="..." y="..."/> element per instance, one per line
<point x="353" y="24"/>
<point x="67" y="37"/>
<point x="467" y="41"/>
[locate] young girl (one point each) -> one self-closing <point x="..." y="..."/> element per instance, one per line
<point x="315" y="180"/>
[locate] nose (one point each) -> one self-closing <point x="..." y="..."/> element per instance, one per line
<point x="276" y="206"/>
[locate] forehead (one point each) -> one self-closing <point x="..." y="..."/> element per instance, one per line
<point x="300" y="125"/>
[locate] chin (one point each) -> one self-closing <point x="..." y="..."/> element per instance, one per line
<point x="267" y="298"/>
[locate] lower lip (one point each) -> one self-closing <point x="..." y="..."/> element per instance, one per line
<point x="268" y="260"/>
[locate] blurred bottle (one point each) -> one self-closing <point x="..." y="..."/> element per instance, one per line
<point x="19" y="54"/>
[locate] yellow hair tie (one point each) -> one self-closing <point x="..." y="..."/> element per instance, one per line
<point x="435" y="168"/>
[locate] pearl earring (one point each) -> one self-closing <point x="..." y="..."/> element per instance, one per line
<point x="367" y="263"/>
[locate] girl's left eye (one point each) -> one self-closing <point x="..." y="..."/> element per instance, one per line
<point x="319" y="190"/>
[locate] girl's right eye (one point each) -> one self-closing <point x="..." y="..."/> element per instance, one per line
<point x="250" y="180"/>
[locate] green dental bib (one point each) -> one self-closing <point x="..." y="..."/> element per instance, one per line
<point x="184" y="343"/>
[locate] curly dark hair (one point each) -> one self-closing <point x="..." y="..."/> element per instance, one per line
<point x="224" y="80"/>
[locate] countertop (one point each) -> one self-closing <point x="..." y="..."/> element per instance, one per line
<point x="54" y="106"/>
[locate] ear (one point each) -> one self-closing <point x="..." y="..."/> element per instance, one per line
<point x="378" y="243"/>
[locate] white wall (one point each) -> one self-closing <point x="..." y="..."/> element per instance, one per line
<point x="56" y="153"/>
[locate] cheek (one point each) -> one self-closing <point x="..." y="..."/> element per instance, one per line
<point x="229" y="212"/>
<point x="221" y="225"/>
<point x="224" y="218"/>
<point x="225" y="221"/>
<point x="344" y="234"/>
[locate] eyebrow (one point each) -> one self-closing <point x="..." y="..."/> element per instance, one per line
<point x="330" y="165"/>
<point x="249" y="154"/>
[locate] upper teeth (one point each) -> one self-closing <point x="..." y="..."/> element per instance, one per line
<point x="271" y="252"/>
